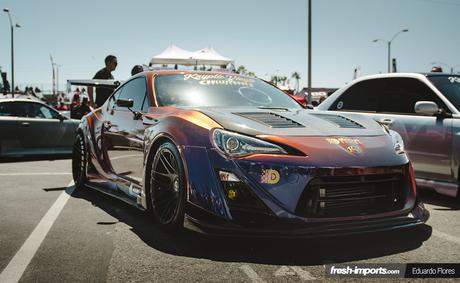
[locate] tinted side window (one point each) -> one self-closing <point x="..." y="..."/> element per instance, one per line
<point x="113" y="98"/>
<point x="6" y="109"/>
<point x="135" y="90"/>
<point x="399" y="95"/>
<point x="362" y="96"/>
<point x="34" y="110"/>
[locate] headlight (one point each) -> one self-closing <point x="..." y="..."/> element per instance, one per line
<point x="236" y="145"/>
<point x="398" y="142"/>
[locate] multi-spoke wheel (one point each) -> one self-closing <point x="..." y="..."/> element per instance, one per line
<point x="167" y="187"/>
<point x="79" y="161"/>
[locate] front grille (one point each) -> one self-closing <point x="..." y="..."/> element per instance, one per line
<point x="353" y="195"/>
<point x="340" y="121"/>
<point x="271" y="119"/>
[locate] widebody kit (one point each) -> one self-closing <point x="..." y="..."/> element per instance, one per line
<point x="227" y="154"/>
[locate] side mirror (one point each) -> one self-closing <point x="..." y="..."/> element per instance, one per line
<point x="128" y="103"/>
<point x="427" y="108"/>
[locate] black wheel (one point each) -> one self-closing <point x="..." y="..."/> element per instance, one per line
<point x="167" y="187"/>
<point x="457" y="197"/>
<point x="79" y="161"/>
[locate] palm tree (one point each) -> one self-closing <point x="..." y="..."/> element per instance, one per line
<point x="274" y="80"/>
<point x="283" y="80"/>
<point x="296" y="77"/>
<point x="242" y="70"/>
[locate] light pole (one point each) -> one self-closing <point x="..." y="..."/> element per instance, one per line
<point x="57" y="77"/>
<point x="389" y="46"/>
<point x="446" y="65"/>
<point x="309" y="53"/>
<point x="12" y="48"/>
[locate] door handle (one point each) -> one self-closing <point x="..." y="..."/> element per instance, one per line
<point x="25" y="124"/>
<point x="386" y="121"/>
<point x="107" y="125"/>
<point x="149" y="121"/>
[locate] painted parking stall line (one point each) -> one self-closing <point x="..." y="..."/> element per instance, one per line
<point x="294" y="271"/>
<point x="255" y="278"/>
<point x="18" y="264"/>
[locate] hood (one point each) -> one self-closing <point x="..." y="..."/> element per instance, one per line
<point x="292" y="122"/>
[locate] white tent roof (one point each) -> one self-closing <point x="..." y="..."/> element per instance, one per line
<point x="209" y="56"/>
<point x="172" y="55"/>
<point x="176" y="55"/>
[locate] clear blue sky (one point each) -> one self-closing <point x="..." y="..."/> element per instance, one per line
<point x="266" y="36"/>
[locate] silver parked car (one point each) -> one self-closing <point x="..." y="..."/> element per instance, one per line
<point x="31" y="128"/>
<point x="424" y="109"/>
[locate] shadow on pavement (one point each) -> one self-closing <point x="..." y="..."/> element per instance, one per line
<point x="434" y="198"/>
<point x="263" y="251"/>
<point x="55" y="189"/>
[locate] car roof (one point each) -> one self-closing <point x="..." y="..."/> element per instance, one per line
<point x="2" y="100"/>
<point x="401" y="75"/>
<point x="181" y="72"/>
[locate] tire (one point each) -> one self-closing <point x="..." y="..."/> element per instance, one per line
<point x="79" y="161"/>
<point x="167" y="187"/>
<point x="457" y="197"/>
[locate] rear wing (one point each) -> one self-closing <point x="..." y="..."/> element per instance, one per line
<point x="111" y="84"/>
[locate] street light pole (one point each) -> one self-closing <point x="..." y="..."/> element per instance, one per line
<point x="389" y="46"/>
<point x="389" y="56"/>
<point x="309" y="52"/>
<point x="12" y="48"/>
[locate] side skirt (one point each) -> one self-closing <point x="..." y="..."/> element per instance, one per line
<point x="443" y="188"/>
<point x="118" y="194"/>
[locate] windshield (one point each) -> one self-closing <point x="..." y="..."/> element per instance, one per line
<point x="219" y="90"/>
<point x="449" y="86"/>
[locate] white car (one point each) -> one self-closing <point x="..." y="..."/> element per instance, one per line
<point x="424" y="109"/>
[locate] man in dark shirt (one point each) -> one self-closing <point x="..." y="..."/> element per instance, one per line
<point x="102" y="94"/>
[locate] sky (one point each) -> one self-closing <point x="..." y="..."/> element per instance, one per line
<point x="268" y="37"/>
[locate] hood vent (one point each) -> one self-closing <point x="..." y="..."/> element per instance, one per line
<point x="341" y="121"/>
<point x="270" y="119"/>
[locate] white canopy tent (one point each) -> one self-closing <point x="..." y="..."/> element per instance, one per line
<point x="209" y="56"/>
<point x="176" y="55"/>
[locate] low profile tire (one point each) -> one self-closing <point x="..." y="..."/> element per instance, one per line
<point x="79" y="161"/>
<point x="167" y="187"/>
<point x="457" y="197"/>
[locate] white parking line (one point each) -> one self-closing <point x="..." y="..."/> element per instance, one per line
<point x="251" y="274"/>
<point x="446" y="237"/>
<point x="35" y="174"/>
<point x="18" y="264"/>
<point x="305" y="275"/>
<point x="292" y="271"/>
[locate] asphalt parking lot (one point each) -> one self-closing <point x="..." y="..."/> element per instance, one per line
<point x="50" y="232"/>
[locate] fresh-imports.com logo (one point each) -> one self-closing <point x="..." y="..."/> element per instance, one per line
<point x="363" y="271"/>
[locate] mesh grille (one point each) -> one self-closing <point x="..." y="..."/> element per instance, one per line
<point x="339" y="120"/>
<point x="271" y="119"/>
<point x="353" y="195"/>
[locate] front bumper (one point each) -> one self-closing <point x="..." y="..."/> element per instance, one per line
<point x="211" y="226"/>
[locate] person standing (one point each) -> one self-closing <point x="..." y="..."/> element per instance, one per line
<point x="136" y="69"/>
<point x="102" y="93"/>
